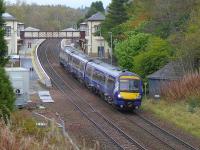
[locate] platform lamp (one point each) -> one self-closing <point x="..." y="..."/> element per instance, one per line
<point x="145" y="90"/>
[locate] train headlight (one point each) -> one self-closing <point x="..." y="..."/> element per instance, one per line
<point x="119" y="96"/>
<point x="139" y="97"/>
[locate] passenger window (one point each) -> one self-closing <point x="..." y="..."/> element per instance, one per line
<point x="110" y="83"/>
<point x="102" y="78"/>
<point x="66" y="56"/>
<point x="95" y="76"/>
<point x="81" y="66"/>
<point x="76" y="63"/>
<point x="89" y="71"/>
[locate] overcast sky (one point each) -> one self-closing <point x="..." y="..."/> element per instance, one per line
<point x="70" y="3"/>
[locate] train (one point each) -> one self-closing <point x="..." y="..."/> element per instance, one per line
<point x="118" y="87"/>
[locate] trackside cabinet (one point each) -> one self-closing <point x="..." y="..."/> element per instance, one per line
<point x="19" y="78"/>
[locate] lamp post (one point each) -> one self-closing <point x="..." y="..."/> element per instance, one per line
<point x="145" y="90"/>
<point x="111" y="46"/>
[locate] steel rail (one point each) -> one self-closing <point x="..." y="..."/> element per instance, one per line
<point x="189" y="146"/>
<point x="147" y="121"/>
<point x="83" y="112"/>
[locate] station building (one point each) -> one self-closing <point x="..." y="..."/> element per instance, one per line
<point x="12" y="33"/>
<point x="95" y="45"/>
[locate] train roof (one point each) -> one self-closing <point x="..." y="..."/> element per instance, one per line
<point x="110" y="69"/>
<point x="102" y="66"/>
<point x="107" y="68"/>
<point x="77" y="53"/>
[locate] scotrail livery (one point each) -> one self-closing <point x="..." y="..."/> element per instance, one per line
<point x="118" y="87"/>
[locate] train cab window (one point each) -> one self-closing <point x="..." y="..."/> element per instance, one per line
<point x="129" y="85"/>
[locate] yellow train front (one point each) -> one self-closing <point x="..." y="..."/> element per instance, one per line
<point x="128" y="91"/>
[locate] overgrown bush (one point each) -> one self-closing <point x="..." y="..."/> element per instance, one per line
<point x="183" y="89"/>
<point x="22" y="134"/>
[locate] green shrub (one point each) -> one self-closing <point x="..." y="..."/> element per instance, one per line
<point x="7" y="96"/>
<point x="193" y="103"/>
<point x="126" y="50"/>
<point x="156" y="55"/>
<point x="143" y="53"/>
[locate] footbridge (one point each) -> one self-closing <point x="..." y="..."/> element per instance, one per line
<point x="79" y="35"/>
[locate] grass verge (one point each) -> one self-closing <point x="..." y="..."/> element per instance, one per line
<point x="178" y="113"/>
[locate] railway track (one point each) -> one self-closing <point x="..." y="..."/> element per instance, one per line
<point x="167" y="138"/>
<point x="119" y="137"/>
<point x="170" y="135"/>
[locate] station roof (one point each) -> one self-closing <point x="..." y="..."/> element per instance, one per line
<point x="171" y="71"/>
<point x="69" y="29"/>
<point x="8" y="17"/>
<point x="97" y="17"/>
<point x="83" y="23"/>
<point x="31" y="29"/>
<point x="20" y="23"/>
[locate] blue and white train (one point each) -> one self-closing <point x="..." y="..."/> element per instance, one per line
<point x="120" y="88"/>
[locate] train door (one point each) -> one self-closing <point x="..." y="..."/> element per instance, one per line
<point x="89" y="75"/>
<point x="70" y="62"/>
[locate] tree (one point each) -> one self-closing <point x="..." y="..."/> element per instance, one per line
<point x="156" y="54"/>
<point x="168" y="16"/>
<point x="45" y="17"/>
<point x="7" y="97"/>
<point x="3" y="46"/>
<point x="116" y="15"/>
<point x="127" y="49"/>
<point x="94" y="8"/>
<point x="142" y="53"/>
<point x="6" y="92"/>
<point x="189" y="46"/>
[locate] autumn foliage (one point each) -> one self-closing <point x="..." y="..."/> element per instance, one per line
<point x="188" y="86"/>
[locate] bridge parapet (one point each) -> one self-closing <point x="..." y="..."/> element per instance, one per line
<point x="52" y="35"/>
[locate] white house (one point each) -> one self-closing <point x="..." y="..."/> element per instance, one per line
<point x="95" y="46"/>
<point x="12" y="33"/>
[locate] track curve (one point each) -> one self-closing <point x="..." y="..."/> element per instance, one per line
<point x="49" y="55"/>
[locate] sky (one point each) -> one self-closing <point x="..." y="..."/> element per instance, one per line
<point x="70" y="3"/>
